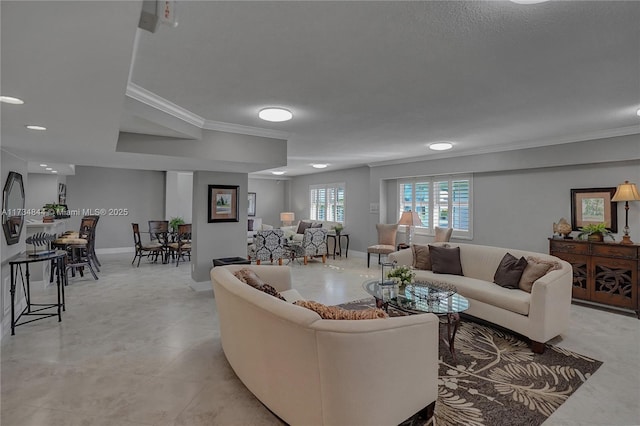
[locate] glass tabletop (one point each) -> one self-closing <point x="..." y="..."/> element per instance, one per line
<point x="422" y="297"/>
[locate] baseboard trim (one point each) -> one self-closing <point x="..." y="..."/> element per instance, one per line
<point x="114" y="250"/>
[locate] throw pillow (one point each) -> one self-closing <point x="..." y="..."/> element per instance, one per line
<point x="272" y="291"/>
<point x="302" y="226"/>
<point x="421" y="258"/>
<point x="536" y="268"/>
<point x="509" y="271"/>
<point x="250" y="225"/>
<point x="249" y="277"/>
<point x="445" y="260"/>
<point x="316" y="225"/>
<point x="337" y="313"/>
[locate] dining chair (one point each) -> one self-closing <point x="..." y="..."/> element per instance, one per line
<point x="182" y="245"/>
<point x="148" y="249"/>
<point x="159" y="232"/>
<point x="87" y="232"/>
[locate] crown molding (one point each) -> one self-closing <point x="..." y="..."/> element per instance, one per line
<point x="151" y="99"/>
<point x="600" y="134"/>
<point x="245" y="130"/>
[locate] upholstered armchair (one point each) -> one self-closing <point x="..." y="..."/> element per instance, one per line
<point x="386" y="241"/>
<point x="443" y="235"/>
<point x="314" y="243"/>
<point x="267" y="245"/>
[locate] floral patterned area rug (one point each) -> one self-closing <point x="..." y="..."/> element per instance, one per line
<point x="497" y="380"/>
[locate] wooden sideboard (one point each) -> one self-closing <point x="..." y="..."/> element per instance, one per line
<point x="604" y="273"/>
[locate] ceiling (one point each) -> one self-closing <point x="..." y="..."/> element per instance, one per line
<point x="368" y="82"/>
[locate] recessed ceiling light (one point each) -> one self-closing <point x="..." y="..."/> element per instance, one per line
<point x="43" y="165"/>
<point x="54" y="171"/>
<point x="319" y="166"/>
<point x="49" y="168"/>
<point x="441" y="146"/>
<point x="10" y="100"/>
<point x="638" y="112"/>
<point x="275" y="114"/>
<point x="278" y="172"/>
<point x="33" y="127"/>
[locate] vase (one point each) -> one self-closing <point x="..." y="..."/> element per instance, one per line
<point x="596" y="236"/>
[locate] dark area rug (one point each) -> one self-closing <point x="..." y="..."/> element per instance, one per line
<point x="496" y="379"/>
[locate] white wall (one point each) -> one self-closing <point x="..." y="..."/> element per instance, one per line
<point x="356" y="206"/>
<point x="270" y="199"/>
<point x="179" y="195"/>
<point x="216" y="240"/>
<point x="42" y="189"/>
<point x="140" y="192"/>
<point x="10" y="163"/>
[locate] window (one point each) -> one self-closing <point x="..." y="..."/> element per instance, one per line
<point x="443" y="201"/>
<point x="327" y="202"/>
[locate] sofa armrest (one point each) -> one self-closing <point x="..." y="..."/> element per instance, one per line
<point x="403" y="257"/>
<point x="360" y="359"/>
<point x="550" y="304"/>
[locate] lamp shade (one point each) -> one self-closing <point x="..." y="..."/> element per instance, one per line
<point x="410" y="219"/>
<point x="287" y="216"/>
<point x="626" y="192"/>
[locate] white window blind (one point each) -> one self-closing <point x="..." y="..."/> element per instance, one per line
<point x="327" y="202"/>
<point x="443" y="201"/>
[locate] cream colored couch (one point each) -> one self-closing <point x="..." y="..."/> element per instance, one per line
<point x="540" y="315"/>
<point x="311" y="371"/>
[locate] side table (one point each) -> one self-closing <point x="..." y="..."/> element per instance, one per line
<point x="231" y="261"/>
<point x="20" y="268"/>
<point x="337" y="243"/>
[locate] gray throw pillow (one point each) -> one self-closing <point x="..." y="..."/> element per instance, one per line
<point x="421" y="258"/>
<point x="509" y="271"/>
<point x="445" y="260"/>
<point x="302" y="226"/>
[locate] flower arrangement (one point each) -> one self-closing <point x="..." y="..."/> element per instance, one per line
<point x="338" y="228"/>
<point x="402" y="275"/>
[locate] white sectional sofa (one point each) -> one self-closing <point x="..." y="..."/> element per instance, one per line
<point x="313" y="371"/>
<point x="540" y="315"/>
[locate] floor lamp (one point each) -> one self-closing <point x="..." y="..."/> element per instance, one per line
<point x="626" y="192"/>
<point x="410" y="219"/>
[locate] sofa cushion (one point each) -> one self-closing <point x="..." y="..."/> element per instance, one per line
<point x="509" y="271"/>
<point x="421" y="257"/>
<point x="483" y="291"/>
<point x="445" y="260"/>
<point x="337" y="313"/>
<point x="536" y="268"/>
<point x="302" y="226"/>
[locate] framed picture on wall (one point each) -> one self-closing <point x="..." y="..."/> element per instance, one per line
<point x="62" y="193"/>
<point x="223" y="203"/>
<point x="251" y="209"/>
<point x="591" y="206"/>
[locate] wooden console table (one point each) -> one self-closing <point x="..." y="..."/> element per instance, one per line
<point x="604" y="273"/>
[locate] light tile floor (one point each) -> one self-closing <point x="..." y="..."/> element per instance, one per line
<point x="140" y="346"/>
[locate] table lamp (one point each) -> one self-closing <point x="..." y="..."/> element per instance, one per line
<point x="410" y="219"/>
<point x="287" y="218"/>
<point x="626" y="192"/>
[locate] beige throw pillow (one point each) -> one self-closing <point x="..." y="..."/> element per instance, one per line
<point x="421" y="258"/>
<point x="536" y="268"/>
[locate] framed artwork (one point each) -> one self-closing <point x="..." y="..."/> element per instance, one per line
<point x="592" y="206"/>
<point x="223" y="203"/>
<point x="251" y="209"/>
<point x="62" y="193"/>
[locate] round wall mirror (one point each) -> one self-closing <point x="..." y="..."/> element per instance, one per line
<point x="13" y="208"/>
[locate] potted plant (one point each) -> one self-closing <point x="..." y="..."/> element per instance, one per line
<point x="595" y="232"/>
<point x="338" y="228"/>
<point x="52" y="210"/>
<point x="174" y="222"/>
<point x="402" y="275"/>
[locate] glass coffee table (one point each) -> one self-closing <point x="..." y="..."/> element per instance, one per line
<point x="422" y="297"/>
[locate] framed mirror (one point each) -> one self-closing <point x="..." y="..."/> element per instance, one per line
<point x="13" y="207"/>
